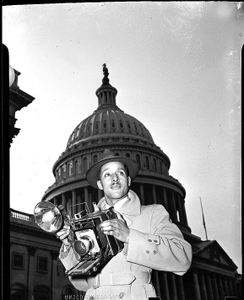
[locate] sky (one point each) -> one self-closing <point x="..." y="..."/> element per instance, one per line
<point x="176" y="66"/>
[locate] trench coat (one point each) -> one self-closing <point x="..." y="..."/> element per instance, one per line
<point x="154" y="243"/>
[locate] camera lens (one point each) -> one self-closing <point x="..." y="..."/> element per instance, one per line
<point x="83" y="245"/>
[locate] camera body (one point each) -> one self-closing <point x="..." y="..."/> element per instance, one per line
<point x="92" y="247"/>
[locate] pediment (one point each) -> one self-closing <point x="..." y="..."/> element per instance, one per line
<point x="212" y="251"/>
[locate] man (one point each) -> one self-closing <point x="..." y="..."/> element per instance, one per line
<point x="151" y="240"/>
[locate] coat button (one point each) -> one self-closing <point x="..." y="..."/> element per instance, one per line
<point x="122" y="295"/>
<point x="147" y="251"/>
<point x="91" y="298"/>
<point x="156" y="241"/>
<point x="149" y="240"/>
<point x="154" y="251"/>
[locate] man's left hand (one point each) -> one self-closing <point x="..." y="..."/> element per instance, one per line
<point x="118" y="228"/>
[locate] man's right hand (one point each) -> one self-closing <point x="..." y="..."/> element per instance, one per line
<point x="63" y="234"/>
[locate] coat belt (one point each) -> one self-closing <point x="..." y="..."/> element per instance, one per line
<point x="123" y="278"/>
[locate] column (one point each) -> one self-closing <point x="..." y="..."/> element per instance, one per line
<point x="55" y="201"/>
<point x="209" y="286"/>
<point x="156" y="282"/>
<point x="154" y="194"/>
<point x="196" y="285"/>
<point x="236" y="292"/>
<point x="73" y="202"/>
<point x="165" y="286"/>
<point x="231" y="286"/>
<point x="184" y="211"/>
<point x="203" y="286"/>
<point x="142" y="194"/>
<point x="221" y="289"/>
<point x="174" y="208"/>
<point x="63" y="200"/>
<point x="174" y="288"/>
<point x="181" y="215"/>
<point x="215" y="287"/>
<point x="165" y="200"/>
<point x="181" y="288"/>
<point x="86" y="195"/>
<point x="226" y="288"/>
<point x="31" y="269"/>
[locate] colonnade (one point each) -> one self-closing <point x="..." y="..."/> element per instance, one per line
<point x="149" y="194"/>
<point x="213" y="286"/>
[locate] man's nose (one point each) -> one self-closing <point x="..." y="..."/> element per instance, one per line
<point x="115" y="177"/>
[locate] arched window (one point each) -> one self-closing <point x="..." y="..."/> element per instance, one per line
<point x="64" y="171"/>
<point x="147" y="163"/>
<point x="154" y="164"/>
<point x="85" y="164"/>
<point x="18" y="292"/>
<point x="113" y="125"/>
<point x="71" y="168"/>
<point x="105" y="125"/>
<point x="138" y="159"/>
<point x="94" y="159"/>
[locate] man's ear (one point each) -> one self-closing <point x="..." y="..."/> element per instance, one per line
<point x="99" y="184"/>
<point x="129" y="180"/>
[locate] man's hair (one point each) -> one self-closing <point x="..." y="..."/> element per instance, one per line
<point x="126" y="171"/>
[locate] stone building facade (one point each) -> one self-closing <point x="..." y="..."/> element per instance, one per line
<point x="212" y="276"/>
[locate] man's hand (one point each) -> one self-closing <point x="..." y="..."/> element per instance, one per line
<point x="63" y="235"/>
<point x="116" y="227"/>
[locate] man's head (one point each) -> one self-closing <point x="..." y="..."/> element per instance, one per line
<point x="113" y="174"/>
<point x="114" y="181"/>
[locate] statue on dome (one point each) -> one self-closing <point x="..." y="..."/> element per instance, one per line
<point x="105" y="73"/>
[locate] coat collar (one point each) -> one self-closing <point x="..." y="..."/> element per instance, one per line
<point x="131" y="207"/>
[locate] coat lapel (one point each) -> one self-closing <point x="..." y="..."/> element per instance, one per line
<point x="131" y="207"/>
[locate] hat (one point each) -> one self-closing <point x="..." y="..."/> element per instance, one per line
<point x="108" y="156"/>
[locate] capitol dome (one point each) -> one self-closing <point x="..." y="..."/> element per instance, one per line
<point x="109" y="121"/>
<point x="110" y="127"/>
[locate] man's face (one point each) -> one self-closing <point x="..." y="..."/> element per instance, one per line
<point x="114" y="181"/>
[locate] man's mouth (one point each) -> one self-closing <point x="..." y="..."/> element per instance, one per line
<point x="115" y="185"/>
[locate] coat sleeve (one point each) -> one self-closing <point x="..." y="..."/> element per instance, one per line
<point x="69" y="260"/>
<point x="163" y="248"/>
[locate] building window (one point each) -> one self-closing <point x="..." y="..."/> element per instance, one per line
<point x="42" y="293"/>
<point x="155" y="164"/>
<point x="42" y="264"/>
<point x="138" y="160"/>
<point x="147" y="163"/>
<point x="64" y="171"/>
<point x="70" y="169"/>
<point x="18" y="292"/>
<point x="95" y="159"/>
<point x="18" y="261"/>
<point x="85" y="164"/>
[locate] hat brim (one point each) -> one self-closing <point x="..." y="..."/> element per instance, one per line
<point x="92" y="173"/>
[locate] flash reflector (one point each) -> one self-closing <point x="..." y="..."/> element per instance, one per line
<point x="48" y="217"/>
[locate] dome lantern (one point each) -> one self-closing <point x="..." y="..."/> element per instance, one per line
<point x="106" y="93"/>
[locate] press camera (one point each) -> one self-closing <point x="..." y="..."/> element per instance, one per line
<point x="92" y="247"/>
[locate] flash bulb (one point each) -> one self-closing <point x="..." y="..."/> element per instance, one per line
<point x="48" y="217"/>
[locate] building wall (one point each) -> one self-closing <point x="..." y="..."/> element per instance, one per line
<point x="35" y="269"/>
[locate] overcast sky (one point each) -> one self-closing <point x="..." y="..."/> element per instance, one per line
<point x="176" y="66"/>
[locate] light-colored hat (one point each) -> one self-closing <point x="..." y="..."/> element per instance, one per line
<point x="108" y="156"/>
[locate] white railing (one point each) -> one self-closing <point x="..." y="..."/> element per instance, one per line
<point x="20" y="216"/>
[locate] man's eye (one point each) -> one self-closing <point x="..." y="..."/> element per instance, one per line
<point x="122" y="173"/>
<point x="106" y="174"/>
